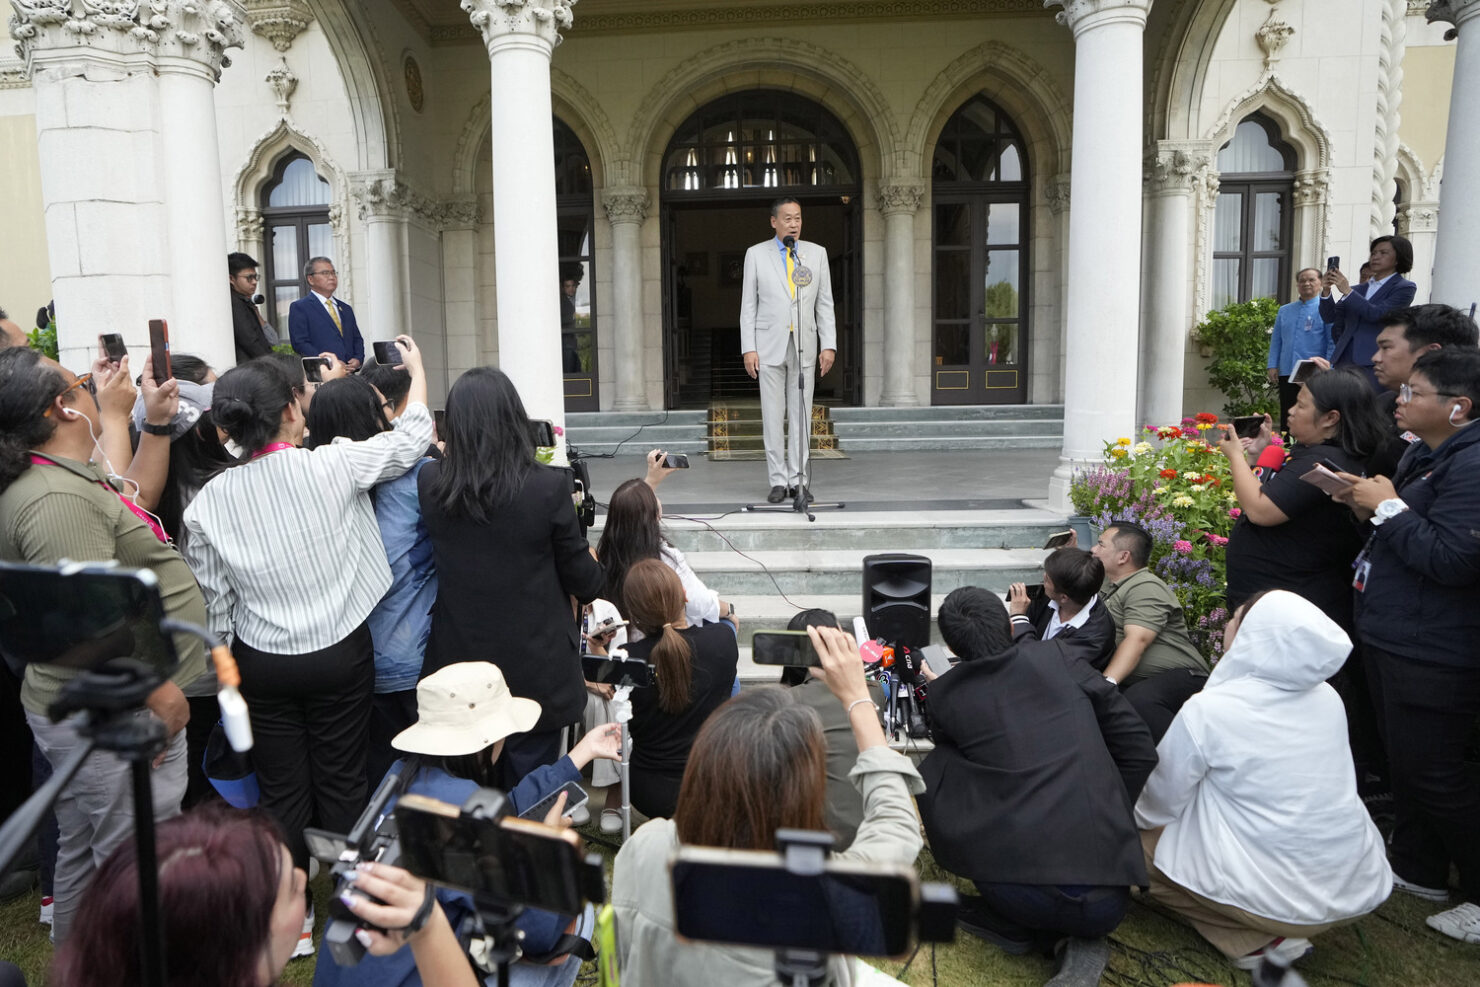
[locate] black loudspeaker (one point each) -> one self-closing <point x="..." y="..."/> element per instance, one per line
<point x="896" y="598"/>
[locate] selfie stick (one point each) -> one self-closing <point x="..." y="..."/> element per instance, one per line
<point x="804" y="853"/>
<point x="622" y="713"/>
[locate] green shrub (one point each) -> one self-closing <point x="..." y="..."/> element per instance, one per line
<point x="1238" y="334"/>
<point x="44" y="340"/>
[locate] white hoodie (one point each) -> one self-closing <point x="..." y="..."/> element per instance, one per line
<point x="1255" y="784"/>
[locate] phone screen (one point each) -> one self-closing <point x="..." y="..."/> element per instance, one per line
<point x="439" y="417"/>
<point x="387" y="353"/>
<point x="542" y="433"/>
<point x="1248" y="426"/>
<point x="1058" y="539"/>
<point x="574" y="795"/>
<point x="1333" y="263"/>
<point x="159" y="349"/>
<point x="1303" y="371"/>
<point x="676" y="461"/>
<point x="92" y="616"/>
<point x="768" y="906"/>
<point x="313" y="369"/>
<point x="512" y="860"/>
<point x="783" y="648"/>
<point x="1035" y="590"/>
<point x="112" y="346"/>
<point x="611" y="671"/>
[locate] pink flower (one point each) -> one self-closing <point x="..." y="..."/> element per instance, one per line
<point x="1183" y="547"/>
<point x="1189" y="421"/>
<point x="1218" y="540"/>
<point x="1277" y="440"/>
<point x="1234" y="512"/>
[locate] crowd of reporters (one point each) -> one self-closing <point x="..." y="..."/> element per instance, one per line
<point x="373" y="574"/>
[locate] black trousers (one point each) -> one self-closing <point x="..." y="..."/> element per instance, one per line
<point x="1159" y="697"/>
<point x="1426" y="712"/>
<point x="523" y="752"/>
<point x="205" y="711"/>
<point x="310" y="722"/>
<point x="1044" y="913"/>
<point x="390" y="713"/>
<point x="655" y="793"/>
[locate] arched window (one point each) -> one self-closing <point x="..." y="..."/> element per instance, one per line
<point x="760" y="139"/>
<point x="295" y="216"/>
<point x="575" y="210"/>
<point x="979" y="189"/>
<point x="1252" y="217"/>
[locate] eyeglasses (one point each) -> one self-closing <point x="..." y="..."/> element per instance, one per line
<point x="83" y="380"/>
<point x="254" y="278"/>
<point x="325" y="274"/>
<point x="1407" y="394"/>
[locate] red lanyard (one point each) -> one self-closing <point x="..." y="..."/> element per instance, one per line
<point x="273" y="447"/>
<point x="138" y="511"/>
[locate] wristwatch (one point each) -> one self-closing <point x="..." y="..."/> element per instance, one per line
<point x="149" y="429"/>
<point x="1388" y="509"/>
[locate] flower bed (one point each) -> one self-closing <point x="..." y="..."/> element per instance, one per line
<point x="1176" y="485"/>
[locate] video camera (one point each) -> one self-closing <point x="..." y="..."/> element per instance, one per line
<point x="804" y="906"/>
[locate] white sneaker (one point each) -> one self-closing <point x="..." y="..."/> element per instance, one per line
<point x="305" y="940"/>
<point x="1288" y="950"/>
<point x="1419" y="890"/>
<point x="611" y="821"/>
<point x="580" y="816"/>
<point x="1461" y="922"/>
<point x="46" y="909"/>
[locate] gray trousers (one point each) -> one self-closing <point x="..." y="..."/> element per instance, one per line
<point x="780" y="403"/>
<point x="95" y="812"/>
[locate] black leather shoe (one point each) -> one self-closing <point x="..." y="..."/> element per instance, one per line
<point x="807" y="494"/>
<point x="776" y="496"/>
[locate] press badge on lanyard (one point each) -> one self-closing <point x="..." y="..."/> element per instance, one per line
<point x="1363" y="566"/>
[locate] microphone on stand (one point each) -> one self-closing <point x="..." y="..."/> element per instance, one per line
<point x="791" y="244"/>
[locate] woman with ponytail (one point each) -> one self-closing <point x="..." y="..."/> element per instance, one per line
<point x="695" y="668"/>
<point x="287" y="551"/>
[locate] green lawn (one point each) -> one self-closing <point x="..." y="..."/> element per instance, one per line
<point x="1392" y="948"/>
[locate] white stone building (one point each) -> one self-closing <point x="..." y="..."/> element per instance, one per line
<point x="1024" y="202"/>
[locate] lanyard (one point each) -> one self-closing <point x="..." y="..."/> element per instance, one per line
<point x="138" y="511"/>
<point x="273" y="447"/>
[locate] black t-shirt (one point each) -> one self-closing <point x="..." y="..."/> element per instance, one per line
<point x="1311" y="553"/>
<point x="1384" y="462"/>
<point x="661" y="740"/>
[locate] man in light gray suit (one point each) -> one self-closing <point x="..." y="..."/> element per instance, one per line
<point x="786" y="328"/>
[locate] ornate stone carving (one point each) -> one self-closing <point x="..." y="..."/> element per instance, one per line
<point x="1418" y="217"/>
<point x="1173" y="167"/>
<point x="1311" y="187"/>
<point x="200" y="30"/>
<point x="1272" y="36"/>
<point x="1391" y="45"/>
<point x="380" y="194"/>
<point x="458" y="214"/>
<point x="544" y="19"/>
<point x="283" y="82"/>
<point x="1078" y="14"/>
<point x="1455" y="12"/>
<point x="1056" y="191"/>
<point x="279" y="21"/>
<point x="895" y="197"/>
<point x="625" y="204"/>
<point x="249" y="226"/>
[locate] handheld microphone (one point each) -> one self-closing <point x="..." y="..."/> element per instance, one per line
<point x="259" y="299"/>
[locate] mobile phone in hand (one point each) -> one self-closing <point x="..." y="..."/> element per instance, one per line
<point x="387" y="353"/>
<point x="159" y="350"/>
<point x="676" y="461"/>
<point x="1333" y="263"/>
<point x="1303" y="370"/>
<point x="1059" y="539"/>
<point x="1035" y="590"/>
<point x="542" y="432"/>
<point x="575" y="796"/>
<point x="1248" y="426"/>
<point x="111" y="345"/>
<point x="313" y="369"/>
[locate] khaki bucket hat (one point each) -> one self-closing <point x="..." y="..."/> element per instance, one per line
<point x="463" y="709"/>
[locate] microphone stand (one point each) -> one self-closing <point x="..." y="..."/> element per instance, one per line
<point x="800" y="430"/>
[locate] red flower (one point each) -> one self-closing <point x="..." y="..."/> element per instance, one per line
<point x="1168" y="474"/>
<point x="1204" y="416"/>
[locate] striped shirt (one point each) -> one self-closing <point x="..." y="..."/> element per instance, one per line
<point x="286" y="547"/>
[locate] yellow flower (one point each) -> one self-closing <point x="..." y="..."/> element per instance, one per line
<point x="1118" y="452"/>
<point x="1182" y="500"/>
<point x="1232" y="497"/>
<point x="1141" y="448"/>
<point x="1122" y="441"/>
<point x="1203" y="426"/>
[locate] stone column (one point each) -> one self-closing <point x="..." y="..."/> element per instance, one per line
<point x="250" y="231"/>
<point x="460" y="285"/>
<point x="1418" y="221"/>
<point x="626" y="208"/>
<point x="193" y="38"/>
<point x="520" y="36"/>
<point x="899" y="201"/>
<point x="1170" y="171"/>
<point x="1457" y="250"/>
<point x="1056" y="193"/>
<point x="382" y="202"/>
<point x="1104" y="231"/>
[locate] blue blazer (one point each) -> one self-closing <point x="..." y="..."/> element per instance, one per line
<point x="1354" y="323"/>
<point x="312" y="331"/>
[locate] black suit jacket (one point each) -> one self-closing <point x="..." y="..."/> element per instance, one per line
<point x="246" y="326"/>
<point x="1037" y="765"/>
<point x="504" y="589"/>
<point x="1094" y="642"/>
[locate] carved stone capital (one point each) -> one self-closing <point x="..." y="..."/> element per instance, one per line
<point x="1056" y="191"/>
<point x="249" y="227"/>
<point x="499" y="20"/>
<point x="379" y="195"/>
<point x="282" y="82"/>
<point x="1456" y="12"/>
<point x="1085" y="15"/>
<point x="1312" y="187"/>
<point x="458" y="214"/>
<point x="1174" y="167"/>
<point x="897" y="197"/>
<point x="279" y="21"/>
<point x="1418" y="217"/>
<point x="1272" y="37"/>
<point x="119" y="31"/>
<point x="625" y="205"/>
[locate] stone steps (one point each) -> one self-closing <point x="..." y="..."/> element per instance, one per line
<point x="839" y="571"/>
<point x="605" y="432"/>
<point x="967" y="427"/>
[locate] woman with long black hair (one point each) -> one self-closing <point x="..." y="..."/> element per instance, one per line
<point x="510" y="557"/>
<point x="286" y="549"/>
